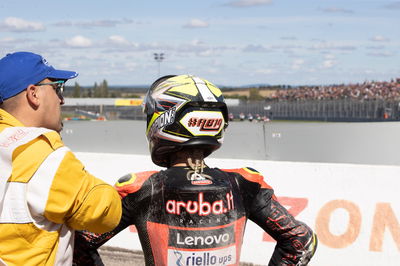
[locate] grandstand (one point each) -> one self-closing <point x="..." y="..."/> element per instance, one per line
<point x="360" y="102"/>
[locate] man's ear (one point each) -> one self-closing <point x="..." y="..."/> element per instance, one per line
<point x="33" y="96"/>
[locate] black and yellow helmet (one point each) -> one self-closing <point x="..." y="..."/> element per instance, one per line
<point x="184" y="111"/>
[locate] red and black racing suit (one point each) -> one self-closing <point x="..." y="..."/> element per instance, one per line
<point x="181" y="221"/>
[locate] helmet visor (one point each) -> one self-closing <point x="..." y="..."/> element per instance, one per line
<point x="149" y="104"/>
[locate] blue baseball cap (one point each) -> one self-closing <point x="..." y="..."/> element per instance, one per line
<point x="21" y="69"/>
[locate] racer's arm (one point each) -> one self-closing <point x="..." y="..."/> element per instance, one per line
<point x="128" y="187"/>
<point x="93" y="241"/>
<point x="87" y="243"/>
<point x="296" y="243"/>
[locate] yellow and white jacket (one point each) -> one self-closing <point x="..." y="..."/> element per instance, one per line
<point x="46" y="194"/>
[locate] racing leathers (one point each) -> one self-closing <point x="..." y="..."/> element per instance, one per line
<point x="186" y="218"/>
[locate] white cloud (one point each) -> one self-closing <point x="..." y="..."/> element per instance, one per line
<point x="14" y="24"/>
<point x="368" y="71"/>
<point x="297" y="63"/>
<point x="286" y="46"/>
<point x="104" y="23"/>
<point x="79" y="41"/>
<point x="180" y="67"/>
<point x="207" y="53"/>
<point x="265" y="71"/>
<point x="197" y="42"/>
<point x="288" y="38"/>
<point x="381" y="54"/>
<point x="213" y="70"/>
<point x="131" y="65"/>
<point x="248" y="3"/>
<point x="198" y="47"/>
<point x="328" y="63"/>
<point x="7" y="40"/>
<point x="196" y="23"/>
<point x="63" y="24"/>
<point x="337" y="10"/>
<point x="329" y="56"/>
<point x="379" y="38"/>
<point x="333" y="46"/>
<point x="376" y="47"/>
<point x="255" y="48"/>
<point x="119" y="40"/>
<point x="17" y="43"/>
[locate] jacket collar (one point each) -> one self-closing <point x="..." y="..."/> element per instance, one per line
<point x="6" y="119"/>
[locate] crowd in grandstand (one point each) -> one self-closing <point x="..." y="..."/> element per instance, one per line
<point x="369" y="90"/>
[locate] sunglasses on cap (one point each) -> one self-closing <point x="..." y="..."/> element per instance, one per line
<point x="58" y="86"/>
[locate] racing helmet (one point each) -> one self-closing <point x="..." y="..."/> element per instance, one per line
<point x="183" y="111"/>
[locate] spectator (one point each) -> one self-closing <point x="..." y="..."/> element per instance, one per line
<point x="45" y="192"/>
<point x="365" y="91"/>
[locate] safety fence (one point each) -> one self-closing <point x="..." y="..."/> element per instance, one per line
<point x="320" y="110"/>
<point x="317" y="110"/>
<point x="110" y="112"/>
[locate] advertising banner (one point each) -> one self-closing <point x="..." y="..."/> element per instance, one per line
<point x="354" y="209"/>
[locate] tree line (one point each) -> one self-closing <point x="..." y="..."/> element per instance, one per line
<point x="103" y="90"/>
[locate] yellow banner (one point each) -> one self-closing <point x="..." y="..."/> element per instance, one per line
<point x="128" y="102"/>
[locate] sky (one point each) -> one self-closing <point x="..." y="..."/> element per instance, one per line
<point x="228" y="42"/>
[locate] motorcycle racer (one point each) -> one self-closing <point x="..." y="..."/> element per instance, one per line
<point x="190" y="213"/>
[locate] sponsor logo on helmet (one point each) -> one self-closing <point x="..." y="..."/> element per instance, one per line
<point x="165" y="119"/>
<point x="203" y="122"/>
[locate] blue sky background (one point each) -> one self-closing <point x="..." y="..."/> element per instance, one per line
<point x="230" y="43"/>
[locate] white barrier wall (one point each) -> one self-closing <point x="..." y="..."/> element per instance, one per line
<point x="354" y="209"/>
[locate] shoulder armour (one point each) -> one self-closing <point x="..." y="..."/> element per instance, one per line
<point x="251" y="175"/>
<point x="132" y="182"/>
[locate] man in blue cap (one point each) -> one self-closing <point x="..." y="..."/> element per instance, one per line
<point x="24" y="71"/>
<point x="45" y="192"/>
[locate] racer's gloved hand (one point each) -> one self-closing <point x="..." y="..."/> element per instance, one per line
<point x="309" y="253"/>
<point x="84" y="254"/>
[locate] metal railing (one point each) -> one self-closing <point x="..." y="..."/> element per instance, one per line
<point x="318" y="110"/>
<point x="321" y="110"/>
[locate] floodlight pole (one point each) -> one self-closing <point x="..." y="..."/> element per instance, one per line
<point x="159" y="57"/>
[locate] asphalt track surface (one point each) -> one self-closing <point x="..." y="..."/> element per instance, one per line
<point x="360" y="143"/>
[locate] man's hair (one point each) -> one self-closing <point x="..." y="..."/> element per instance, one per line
<point x="11" y="104"/>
